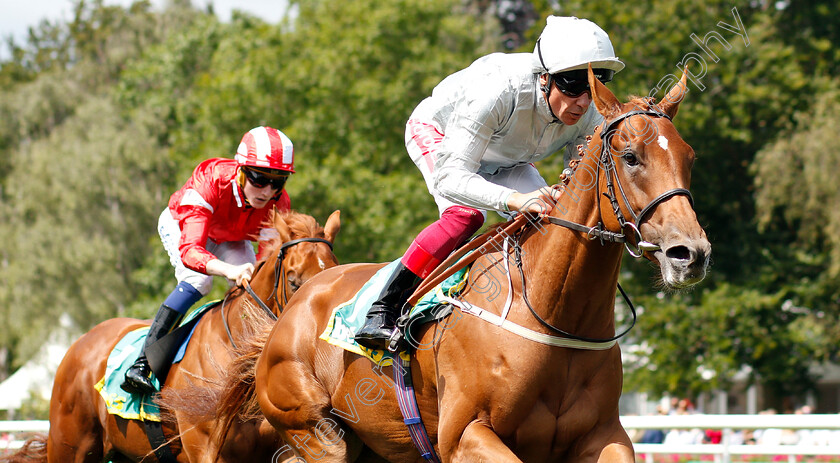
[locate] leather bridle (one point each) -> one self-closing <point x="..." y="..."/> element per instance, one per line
<point x="599" y="231"/>
<point x="607" y="165"/>
<point x="279" y="275"/>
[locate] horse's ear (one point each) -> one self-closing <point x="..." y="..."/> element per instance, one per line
<point x="333" y="226"/>
<point x="671" y="102"/>
<point x="605" y="101"/>
<point x="281" y="226"/>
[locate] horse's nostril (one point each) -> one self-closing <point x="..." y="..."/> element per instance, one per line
<point x="678" y="252"/>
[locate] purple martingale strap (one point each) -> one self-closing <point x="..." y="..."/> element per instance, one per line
<point x="410" y="411"/>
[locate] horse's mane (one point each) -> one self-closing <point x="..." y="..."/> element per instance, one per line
<point x="638" y="100"/>
<point x="200" y="399"/>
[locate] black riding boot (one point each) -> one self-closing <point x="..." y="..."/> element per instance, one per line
<point x="138" y="377"/>
<point x="383" y="314"/>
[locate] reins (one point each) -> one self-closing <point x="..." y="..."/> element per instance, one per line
<point x="279" y="274"/>
<point x="477" y="248"/>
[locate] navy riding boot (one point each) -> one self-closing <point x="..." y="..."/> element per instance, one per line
<point x="138" y="378"/>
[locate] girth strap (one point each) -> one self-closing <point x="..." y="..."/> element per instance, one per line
<point x="410" y="411"/>
<point x="160" y="446"/>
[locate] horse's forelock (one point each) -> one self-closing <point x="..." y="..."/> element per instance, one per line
<point x="299" y="225"/>
<point x="639" y="102"/>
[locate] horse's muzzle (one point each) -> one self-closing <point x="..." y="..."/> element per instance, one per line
<point x="684" y="264"/>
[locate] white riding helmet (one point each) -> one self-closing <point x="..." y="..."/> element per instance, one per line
<point x="569" y="43"/>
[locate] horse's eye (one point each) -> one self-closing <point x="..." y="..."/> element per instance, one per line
<point x="294" y="283"/>
<point x="630" y="159"/>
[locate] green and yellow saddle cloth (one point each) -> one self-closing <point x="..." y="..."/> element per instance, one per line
<point x="133" y="406"/>
<point x="349" y="316"/>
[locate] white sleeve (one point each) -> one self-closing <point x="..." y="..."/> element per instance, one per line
<point x="465" y="141"/>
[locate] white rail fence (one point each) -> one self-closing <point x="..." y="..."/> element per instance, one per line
<point x="827" y="425"/>
<point x="722" y="453"/>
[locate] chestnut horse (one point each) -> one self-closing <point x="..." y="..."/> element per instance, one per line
<point x="81" y="430"/>
<point x="486" y="391"/>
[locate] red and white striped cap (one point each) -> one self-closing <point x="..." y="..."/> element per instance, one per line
<point x="268" y="148"/>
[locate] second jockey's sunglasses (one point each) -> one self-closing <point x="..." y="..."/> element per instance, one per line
<point x="260" y="180"/>
<point x="575" y="83"/>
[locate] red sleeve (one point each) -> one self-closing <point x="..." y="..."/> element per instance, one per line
<point x="194" y="231"/>
<point x="195" y="211"/>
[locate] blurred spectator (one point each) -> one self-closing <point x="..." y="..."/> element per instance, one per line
<point x="742" y="437"/>
<point x="712" y="436"/>
<point x="771" y="436"/>
<point x="805" y="436"/>
<point x="788" y="436"/>
<point x="654" y="436"/>
<point x="684" y="407"/>
<point x="683" y="436"/>
<point x="634" y="434"/>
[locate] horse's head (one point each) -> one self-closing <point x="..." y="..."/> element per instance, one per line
<point x="648" y="169"/>
<point x="303" y="248"/>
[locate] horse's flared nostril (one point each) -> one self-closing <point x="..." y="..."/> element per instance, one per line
<point x="680" y="253"/>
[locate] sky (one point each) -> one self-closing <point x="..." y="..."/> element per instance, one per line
<point x="17" y="16"/>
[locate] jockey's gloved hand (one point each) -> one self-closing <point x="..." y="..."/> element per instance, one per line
<point x="538" y="202"/>
<point x="235" y="273"/>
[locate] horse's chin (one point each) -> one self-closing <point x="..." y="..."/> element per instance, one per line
<point x="678" y="274"/>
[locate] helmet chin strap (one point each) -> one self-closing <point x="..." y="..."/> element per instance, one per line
<point x="546" y="88"/>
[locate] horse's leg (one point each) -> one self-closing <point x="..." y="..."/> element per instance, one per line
<point x="619" y="449"/>
<point x="617" y="453"/>
<point x="195" y="440"/>
<point x="76" y="433"/>
<point x="299" y="406"/>
<point x="478" y="443"/>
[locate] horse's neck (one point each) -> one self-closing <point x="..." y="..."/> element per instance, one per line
<point x="571" y="280"/>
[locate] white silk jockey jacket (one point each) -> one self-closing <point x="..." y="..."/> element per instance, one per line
<point x="493" y="115"/>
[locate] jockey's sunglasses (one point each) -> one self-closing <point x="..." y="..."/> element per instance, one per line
<point x="575" y="83"/>
<point x="260" y="180"/>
